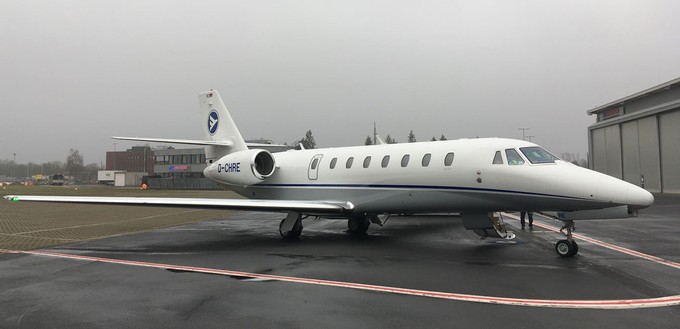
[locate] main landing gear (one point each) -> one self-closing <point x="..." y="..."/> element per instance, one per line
<point x="358" y="224"/>
<point x="291" y="226"/>
<point x="568" y="247"/>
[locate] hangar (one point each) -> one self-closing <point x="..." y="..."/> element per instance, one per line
<point x="637" y="138"/>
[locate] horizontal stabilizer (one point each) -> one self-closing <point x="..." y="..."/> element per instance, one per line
<point x="176" y="141"/>
<point x="305" y="207"/>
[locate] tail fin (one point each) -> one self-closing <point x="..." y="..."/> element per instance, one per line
<point x="218" y="126"/>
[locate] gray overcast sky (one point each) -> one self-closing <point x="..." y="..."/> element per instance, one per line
<point x="73" y="73"/>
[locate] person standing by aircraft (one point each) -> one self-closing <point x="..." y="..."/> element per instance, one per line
<point x="531" y="219"/>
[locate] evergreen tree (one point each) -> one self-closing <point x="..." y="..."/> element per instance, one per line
<point x="433" y="139"/>
<point x="368" y="141"/>
<point x="442" y="138"/>
<point x="308" y="141"/>
<point x="390" y="140"/>
<point x="411" y="137"/>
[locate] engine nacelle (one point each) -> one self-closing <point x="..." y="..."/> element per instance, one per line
<point x="242" y="168"/>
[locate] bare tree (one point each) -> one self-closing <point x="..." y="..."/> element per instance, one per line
<point x="74" y="163"/>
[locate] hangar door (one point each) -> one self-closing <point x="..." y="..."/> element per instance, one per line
<point x="599" y="156"/>
<point x="630" y="150"/>
<point x="607" y="151"/>
<point x="640" y="153"/>
<point x="670" y="150"/>
<point x="612" y="138"/>
<point x="650" y="166"/>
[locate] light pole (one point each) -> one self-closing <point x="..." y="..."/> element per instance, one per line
<point x="14" y="162"/>
<point x="114" y="156"/>
<point x="524" y="133"/>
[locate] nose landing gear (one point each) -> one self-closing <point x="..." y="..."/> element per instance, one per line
<point x="568" y="247"/>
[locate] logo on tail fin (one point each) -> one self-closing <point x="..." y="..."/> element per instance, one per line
<point x="213" y="120"/>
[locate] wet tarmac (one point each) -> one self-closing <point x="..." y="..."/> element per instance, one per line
<point x="419" y="271"/>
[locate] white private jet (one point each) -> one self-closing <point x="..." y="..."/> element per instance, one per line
<point x="477" y="178"/>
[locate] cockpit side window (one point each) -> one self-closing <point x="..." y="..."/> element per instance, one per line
<point x="497" y="159"/>
<point x="536" y="155"/>
<point x="513" y="157"/>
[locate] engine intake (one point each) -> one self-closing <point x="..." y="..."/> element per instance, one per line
<point x="242" y="168"/>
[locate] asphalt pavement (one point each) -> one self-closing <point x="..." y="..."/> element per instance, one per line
<point x="416" y="271"/>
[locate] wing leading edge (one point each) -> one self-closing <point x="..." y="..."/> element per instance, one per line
<point x="176" y="141"/>
<point x="306" y="207"/>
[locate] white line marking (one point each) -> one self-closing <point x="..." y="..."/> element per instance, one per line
<point x="578" y="304"/>
<point x="607" y="245"/>
<point x="109" y="223"/>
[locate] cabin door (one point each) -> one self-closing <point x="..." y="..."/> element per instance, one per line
<point x="313" y="172"/>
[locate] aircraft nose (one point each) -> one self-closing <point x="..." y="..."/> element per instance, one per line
<point x="638" y="198"/>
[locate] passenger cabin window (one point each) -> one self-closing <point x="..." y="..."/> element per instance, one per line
<point x="385" y="161"/>
<point x="367" y="161"/>
<point x="349" y="162"/>
<point x="513" y="157"/>
<point x="536" y="155"/>
<point x="404" y="160"/>
<point x="314" y="163"/>
<point x="426" y="159"/>
<point x="333" y="162"/>
<point x="448" y="160"/>
<point x="498" y="159"/>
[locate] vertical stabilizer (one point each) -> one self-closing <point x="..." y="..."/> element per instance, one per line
<point x="218" y="126"/>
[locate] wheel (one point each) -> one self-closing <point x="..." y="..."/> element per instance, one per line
<point x="358" y="224"/>
<point x="575" y="249"/>
<point x="292" y="234"/>
<point x="565" y="248"/>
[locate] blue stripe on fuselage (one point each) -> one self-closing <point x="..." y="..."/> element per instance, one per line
<point x="419" y="187"/>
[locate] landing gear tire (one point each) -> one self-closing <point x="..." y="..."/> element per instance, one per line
<point x="566" y="248"/>
<point x="292" y="234"/>
<point x="358" y="224"/>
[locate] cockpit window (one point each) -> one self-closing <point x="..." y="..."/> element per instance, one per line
<point x="536" y="155"/>
<point x="497" y="159"/>
<point x="513" y="157"/>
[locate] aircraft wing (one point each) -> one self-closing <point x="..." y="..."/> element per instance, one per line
<point x="304" y="207"/>
<point x="176" y="141"/>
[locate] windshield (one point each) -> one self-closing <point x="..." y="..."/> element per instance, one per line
<point x="536" y="155"/>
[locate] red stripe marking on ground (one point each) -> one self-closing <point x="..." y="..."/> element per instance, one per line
<point x="606" y="244"/>
<point x="580" y="304"/>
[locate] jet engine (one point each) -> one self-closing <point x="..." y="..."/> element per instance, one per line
<point x="242" y="168"/>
